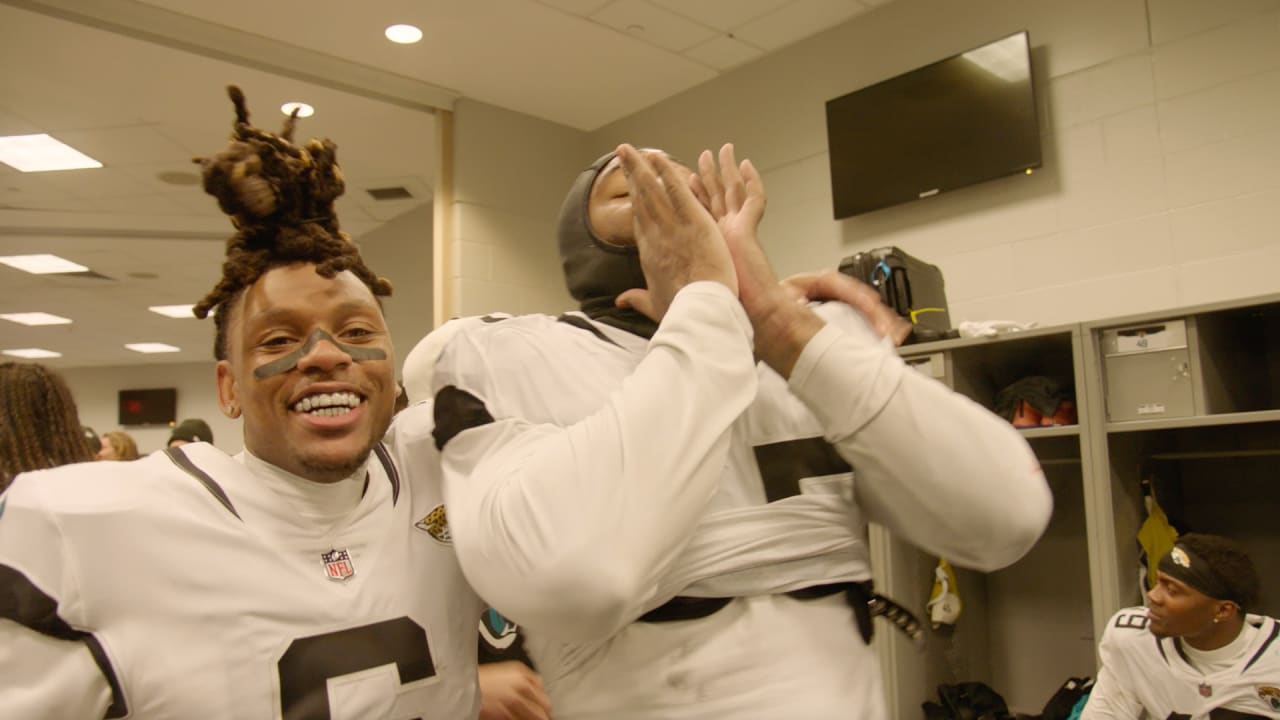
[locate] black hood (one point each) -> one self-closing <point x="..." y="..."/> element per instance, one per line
<point x="597" y="272"/>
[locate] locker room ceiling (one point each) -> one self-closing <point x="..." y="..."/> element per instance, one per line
<point x="138" y="86"/>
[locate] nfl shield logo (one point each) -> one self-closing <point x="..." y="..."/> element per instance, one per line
<point x="1206" y="690"/>
<point x="337" y="565"/>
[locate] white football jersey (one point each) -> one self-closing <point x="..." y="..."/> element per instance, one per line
<point x="1148" y="677"/>
<point x="200" y="594"/>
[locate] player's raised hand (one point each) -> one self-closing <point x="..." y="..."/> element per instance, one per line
<point x="734" y="194"/>
<point x="678" y="240"/>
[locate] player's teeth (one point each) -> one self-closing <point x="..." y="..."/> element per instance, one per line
<point x="340" y="402"/>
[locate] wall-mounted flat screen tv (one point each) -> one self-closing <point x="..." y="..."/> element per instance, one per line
<point x="955" y="122"/>
<point x="154" y="406"/>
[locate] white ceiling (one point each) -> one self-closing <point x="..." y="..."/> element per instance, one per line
<point x="138" y="86"/>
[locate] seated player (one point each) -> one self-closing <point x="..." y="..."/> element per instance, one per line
<point x="1194" y="653"/>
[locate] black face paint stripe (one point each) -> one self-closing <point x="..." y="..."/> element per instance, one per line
<point x="457" y="410"/>
<point x="290" y="361"/>
<point x="784" y="464"/>
<point x="27" y="605"/>
<point x="184" y="463"/>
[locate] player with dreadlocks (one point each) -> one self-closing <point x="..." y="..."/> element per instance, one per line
<point x="39" y="426"/>
<point x="287" y="581"/>
<point x="312" y="575"/>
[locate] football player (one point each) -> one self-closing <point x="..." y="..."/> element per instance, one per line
<point x="1195" y="652"/>
<point x="714" y="521"/>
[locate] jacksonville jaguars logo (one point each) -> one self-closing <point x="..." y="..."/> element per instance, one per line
<point x="497" y="631"/>
<point x="436" y="524"/>
<point x="1270" y="695"/>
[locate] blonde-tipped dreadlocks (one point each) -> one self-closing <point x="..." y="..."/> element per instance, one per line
<point x="280" y="198"/>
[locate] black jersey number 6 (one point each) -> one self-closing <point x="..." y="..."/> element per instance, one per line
<point x="309" y="662"/>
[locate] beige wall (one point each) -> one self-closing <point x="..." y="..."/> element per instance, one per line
<point x="510" y="173"/>
<point x="400" y="251"/>
<point x="1161" y="138"/>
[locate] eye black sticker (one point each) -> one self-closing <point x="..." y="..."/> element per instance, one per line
<point x="290" y="361"/>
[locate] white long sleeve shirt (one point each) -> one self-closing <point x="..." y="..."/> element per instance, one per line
<point x="592" y="461"/>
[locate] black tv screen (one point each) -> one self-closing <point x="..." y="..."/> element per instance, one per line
<point x="955" y="122"/>
<point x="157" y="406"/>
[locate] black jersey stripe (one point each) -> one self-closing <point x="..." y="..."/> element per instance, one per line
<point x="784" y="464"/>
<point x="384" y="457"/>
<point x="583" y="324"/>
<point x="24" y="603"/>
<point x="457" y="410"/>
<point x="1275" y="631"/>
<point x="180" y="459"/>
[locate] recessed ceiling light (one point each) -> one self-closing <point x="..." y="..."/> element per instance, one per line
<point x="304" y="110"/>
<point x="39" y="153"/>
<point x="173" y="311"/>
<point x="403" y="34"/>
<point x="35" y="318"/>
<point x="32" y="353"/>
<point x="42" y="264"/>
<point x="151" y="347"/>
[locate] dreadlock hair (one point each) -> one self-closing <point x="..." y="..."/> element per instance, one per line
<point x="39" y="425"/>
<point x="1230" y="563"/>
<point x="280" y="198"/>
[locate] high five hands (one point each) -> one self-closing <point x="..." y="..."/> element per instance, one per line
<point x="688" y="226"/>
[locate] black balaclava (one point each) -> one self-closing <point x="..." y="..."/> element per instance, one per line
<point x="597" y="272"/>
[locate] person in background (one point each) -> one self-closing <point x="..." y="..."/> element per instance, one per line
<point x="189" y="431"/>
<point x="118" y="445"/>
<point x="91" y="440"/>
<point x="39" y="425"/>
<point x="1195" y="651"/>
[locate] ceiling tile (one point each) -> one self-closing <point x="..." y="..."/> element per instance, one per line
<point x="11" y="124"/>
<point x="29" y="191"/>
<point x="137" y="205"/>
<point x="577" y="7"/>
<point x="103" y="182"/>
<point x="653" y="24"/>
<point x="134" y="145"/>
<point x="148" y="177"/>
<point x="723" y="14"/>
<point x="723" y="52"/>
<point x="797" y="21"/>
